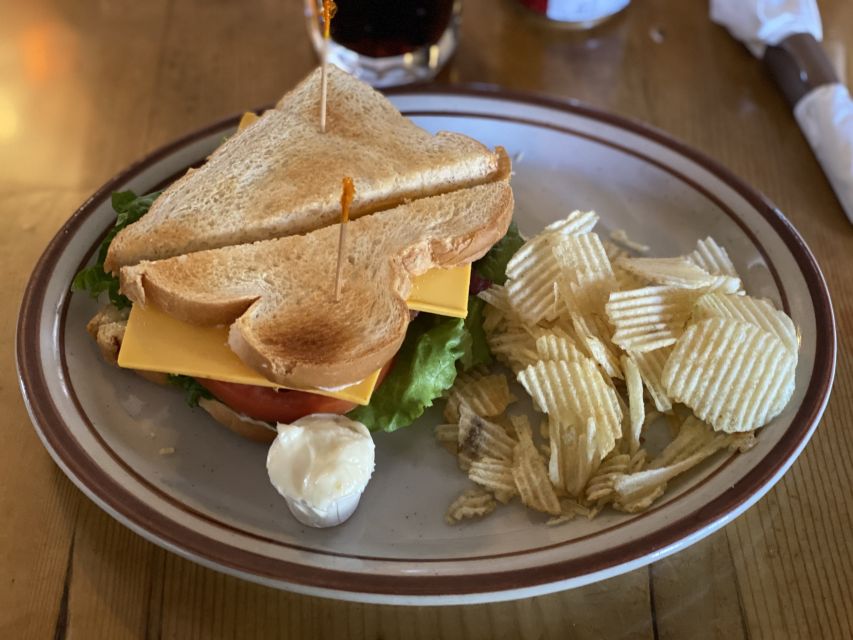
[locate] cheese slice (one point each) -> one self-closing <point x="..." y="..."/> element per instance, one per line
<point x="443" y="292"/>
<point x="154" y="341"/>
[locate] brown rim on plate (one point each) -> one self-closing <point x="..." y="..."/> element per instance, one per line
<point x="101" y="487"/>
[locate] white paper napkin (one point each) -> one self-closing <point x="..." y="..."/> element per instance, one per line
<point x="825" y="114"/>
<point x="758" y="23"/>
<point x="826" y="117"/>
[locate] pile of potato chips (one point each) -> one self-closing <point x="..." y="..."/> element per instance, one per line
<point x="604" y="343"/>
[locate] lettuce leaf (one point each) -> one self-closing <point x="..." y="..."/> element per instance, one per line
<point x="194" y="391"/>
<point x="129" y="208"/>
<point x="424" y="369"/>
<point x="492" y="266"/>
<point x="475" y="347"/>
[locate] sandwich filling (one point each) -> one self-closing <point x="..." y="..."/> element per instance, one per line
<point x="435" y="348"/>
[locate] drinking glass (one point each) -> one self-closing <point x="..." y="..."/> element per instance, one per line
<point x="388" y="42"/>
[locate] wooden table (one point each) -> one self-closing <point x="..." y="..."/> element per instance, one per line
<point x="86" y="87"/>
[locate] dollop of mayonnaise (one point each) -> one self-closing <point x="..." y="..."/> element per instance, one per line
<point x="320" y="464"/>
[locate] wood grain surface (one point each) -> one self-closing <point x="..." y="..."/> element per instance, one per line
<point x="87" y="86"/>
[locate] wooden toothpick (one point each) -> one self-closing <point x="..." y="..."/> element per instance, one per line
<point x="347" y="195"/>
<point x="328" y="12"/>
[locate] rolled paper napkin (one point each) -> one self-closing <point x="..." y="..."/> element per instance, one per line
<point x="758" y="23"/>
<point x="826" y="117"/>
<point x="787" y="34"/>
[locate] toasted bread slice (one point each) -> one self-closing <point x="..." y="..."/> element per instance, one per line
<point x="278" y="295"/>
<point x="281" y="175"/>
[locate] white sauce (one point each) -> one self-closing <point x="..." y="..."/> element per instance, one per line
<point x="321" y="464"/>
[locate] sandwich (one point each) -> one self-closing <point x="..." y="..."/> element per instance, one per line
<point x="222" y="284"/>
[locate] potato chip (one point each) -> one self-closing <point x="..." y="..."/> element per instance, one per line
<point x="478" y="438"/>
<point x="636" y="406"/>
<point x="626" y="281"/>
<point x="521" y="427"/>
<point x="613" y="251"/>
<point x="726" y="284"/>
<point x="734" y="375"/>
<point x="586" y="277"/>
<point x="533" y="271"/>
<point x="553" y="346"/>
<point x="473" y="503"/>
<point x="448" y="436"/>
<point x="640" y="500"/>
<point x="575" y="223"/>
<point x="649" y="318"/>
<point x="497" y="297"/>
<point x="494" y="320"/>
<point x="620" y="236"/>
<point x="674" y="272"/>
<point x="713" y="258"/>
<point x="651" y="364"/>
<point x="693" y="435"/>
<point x="582" y="257"/>
<point x="544" y="429"/>
<point x="695" y="442"/>
<point x="516" y="349"/>
<point x="569" y="510"/>
<point x="487" y="396"/>
<point x="595" y="336"/>
<point x="600" y="485"/>
<point x="574" y="456"/>
<point x="494" y="474"/>
<point x="573" y="392"/>
<point x="756" y="311"/>
<point x="531" y="477"/>
<point x="638" y="461"/>
<point x="534" y="295"/>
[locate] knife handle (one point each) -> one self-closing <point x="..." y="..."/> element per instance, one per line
<point x="799" y="65"/>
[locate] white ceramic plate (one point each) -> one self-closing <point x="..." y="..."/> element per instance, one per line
<point x="211" y="501"/>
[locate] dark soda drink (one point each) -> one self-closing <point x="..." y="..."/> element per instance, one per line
<point x="383" y="28"/>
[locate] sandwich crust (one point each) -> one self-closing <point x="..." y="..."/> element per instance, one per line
<point x="281" y="175"/>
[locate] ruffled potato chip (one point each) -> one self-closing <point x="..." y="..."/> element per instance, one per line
<point x="713" y="258"/>
<point x="586" y="277"/>
<point x="448" y="436"/>
<point x="621" y="237"/>
<point x="569" y="510"/>
<point x="573" y="392"/>
<point x="487" y="396"/>
<point x="473" y="503"/>
<point x="532" y="273"/>
<point x="531" y="477"/>
<point x="649" y="318"/>
<point x="553" y="346"/>
<point x="651" y="364"/>
<point x="595" y="336"/>
<point x="600" y="485"/>
<point x="580" y="454"/>
<point x="478" y="438"/>
<point x="516" y="349"/>
<point x="695" y="442"/>
<point x="613" y="250"/>
<point x="636" y="404"/>
<point x="673" y="272"/>
<point x="734" y="375"/>
<point x="756" y="311"/>
<point x="494" y="474"/>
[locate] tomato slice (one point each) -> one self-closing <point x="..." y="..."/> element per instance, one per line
<point x="273" y="405"/>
